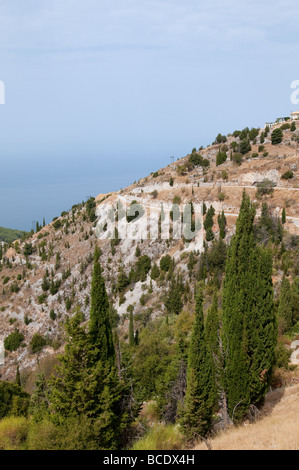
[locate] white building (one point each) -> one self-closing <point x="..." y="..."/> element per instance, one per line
<point x="295" y="115"/>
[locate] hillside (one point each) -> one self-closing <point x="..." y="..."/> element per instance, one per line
<point x="277" y="429"/>
<point x="48" y="277"/>
<point x="8" y="235"/>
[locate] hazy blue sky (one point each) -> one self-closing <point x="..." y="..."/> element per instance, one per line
<point x="100" y="93"/>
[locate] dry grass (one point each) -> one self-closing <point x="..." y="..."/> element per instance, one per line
<point x="278" y="430"/>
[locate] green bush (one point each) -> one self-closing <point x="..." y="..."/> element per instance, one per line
<point x="285" y="126"/>
<point x="41" y="298"/>
<point x="37" y="343"/>
<point x="13" y="341"/>
<point x="282" y="356"/>
<point x="162" y="437"/>
<point x="287" y="175"/>
<point x="57" y="224"/>
<point x="13" y="401"/>
<point x="265" y="187"/>
<point x="165" y="263"/>
<point x="13" y="433"/>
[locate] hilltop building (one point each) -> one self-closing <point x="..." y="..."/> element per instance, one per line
<point x="293" y="116"/>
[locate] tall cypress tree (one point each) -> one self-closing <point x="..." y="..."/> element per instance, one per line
<point x="99" y="324"/>
<point x="197" y="413"/>
<point x="18" y="376"/>
<point x="285" y="307"/>
<point x="222" y="224"/>
<point x="283" y="216"/>
<point x="213" y="347"/>
<point x="249" y="326"/>
<point x="131" y="329"/>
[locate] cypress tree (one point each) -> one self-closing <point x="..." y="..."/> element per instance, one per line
<point x="249" y="327"/>
<point x="213" y="347"/>
<point x="222" y="224"/>
<point x="285" y="310"/>
<point x="131" y="330"/>
<point x="283" y="216"/>
<point x="197" y="413"/>
<point x="87" y="387"/>
<point x="99" y="324"/>
<point x="18" y="377"/>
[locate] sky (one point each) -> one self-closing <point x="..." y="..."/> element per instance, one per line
<point x="100" y="93"/>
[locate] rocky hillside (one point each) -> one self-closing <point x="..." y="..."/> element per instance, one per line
<point x="47" y="277"/>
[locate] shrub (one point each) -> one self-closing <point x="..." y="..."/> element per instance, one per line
<point x="37" y="343"/>
<point x="265" y="187"/>
<point x="165" y="263"/>
<point x="143" y="267"/>
<point x="42" y="436"/>
<point x="28" y="249"/>
<point x="221" y="139"/>
<point x="41" y="298"/>
<point x="224" y="175"/>
<point x="13" y="401"/>
<point x="162" y="437"/>
<point x="287" y="175"/>
<point x="57" y="224"/>
<point x="27" y="320"/>
<point x="155" y="272"/>
<point x="282" y="356"/>
<point x="176" y="200"/>
<point x="245" y="147"/>
<point x="52" y="314"/>
<point x="237" y="158"/>
<point x="253" y="133"/>
<point x="13" y="341"/>
<point x="13" y="433"/>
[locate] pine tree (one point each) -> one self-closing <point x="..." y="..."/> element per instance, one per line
<point x="197" y="413"/>
<point x="249" y="326"/>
